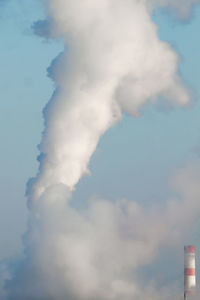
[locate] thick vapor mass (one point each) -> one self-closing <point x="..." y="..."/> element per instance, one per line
<point x="96" y="253"/>
<point x="113" y="62"/>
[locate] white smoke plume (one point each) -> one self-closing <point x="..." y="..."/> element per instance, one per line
<point x="114" y="62"/>
<point x="97" y="253"/>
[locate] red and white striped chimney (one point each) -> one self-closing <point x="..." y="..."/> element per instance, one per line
<point x="189" y="270"/>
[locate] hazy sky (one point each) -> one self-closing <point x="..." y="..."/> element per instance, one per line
<point x="136" y="159"/>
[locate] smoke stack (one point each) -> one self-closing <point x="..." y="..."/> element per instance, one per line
<point x="189" y="270"/>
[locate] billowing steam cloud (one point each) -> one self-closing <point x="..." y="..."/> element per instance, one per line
<point x="98" y="252"/>
<point x="114" y="62"/>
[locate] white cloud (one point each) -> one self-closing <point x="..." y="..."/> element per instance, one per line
<point x="113" y="62"/>
<point x="97" y="252"/>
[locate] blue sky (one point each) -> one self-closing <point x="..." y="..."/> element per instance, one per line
<point x="25" y="89"/>
<point x="160" y="140"/>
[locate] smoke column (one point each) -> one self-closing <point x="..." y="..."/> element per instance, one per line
<point x="113" y="62"/>
<point x="106" y="69"/>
